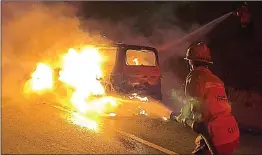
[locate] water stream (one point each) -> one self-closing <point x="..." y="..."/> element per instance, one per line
<point x="200" y="32"/>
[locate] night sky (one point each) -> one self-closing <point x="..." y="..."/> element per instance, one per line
<point x="237" y="51"/>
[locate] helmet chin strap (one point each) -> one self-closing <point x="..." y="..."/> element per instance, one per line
<point x="189" y="66"/>
<point x="192" y="68"/>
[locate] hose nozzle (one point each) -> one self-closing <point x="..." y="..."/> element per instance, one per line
<point x="243" y="13"/>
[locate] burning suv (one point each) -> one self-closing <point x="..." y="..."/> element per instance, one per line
<point x="130" y="69"/>
<point x="134" y="69"/>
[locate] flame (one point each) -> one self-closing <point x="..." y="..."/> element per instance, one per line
<point x="41" y="78"/>
<point x="81" y="70"/>
<point x="164" y="118"/>
<point x="135" y="60"/>
<point x="142" y="111"/>
<point x="112" y="114"/>
<point x="135" y="95"/>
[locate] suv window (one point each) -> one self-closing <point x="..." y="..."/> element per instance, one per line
<point x="140" y="57"/>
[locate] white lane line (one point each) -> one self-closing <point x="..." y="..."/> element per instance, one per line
<point x="157" y="147"/>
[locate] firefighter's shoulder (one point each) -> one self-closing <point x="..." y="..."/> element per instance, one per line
<point x="195" y="76"/>
<point x="213" y="80"/>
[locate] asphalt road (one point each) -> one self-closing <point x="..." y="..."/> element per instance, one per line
<point x="39" y="128"/>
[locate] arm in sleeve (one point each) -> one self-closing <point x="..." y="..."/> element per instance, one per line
<point x="191" y="91"/>
<point x="194" y="95"/>
<point x="193" y="88"/>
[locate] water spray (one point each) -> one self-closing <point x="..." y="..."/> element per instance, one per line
<point x="242" y="12"/>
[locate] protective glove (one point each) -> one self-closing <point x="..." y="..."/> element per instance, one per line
<point x="173" y="116"/>
<point x="180" y="119"/>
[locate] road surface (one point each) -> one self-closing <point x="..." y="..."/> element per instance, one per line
<point x="39" y="128"/>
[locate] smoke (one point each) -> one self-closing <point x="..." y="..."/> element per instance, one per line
<point x="34" y="32"/>
<point x="161" y="28"/>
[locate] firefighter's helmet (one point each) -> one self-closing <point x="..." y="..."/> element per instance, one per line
<point x="199" y="52"/>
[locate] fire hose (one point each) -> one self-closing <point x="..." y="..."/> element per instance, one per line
<point x="199" y="128"/>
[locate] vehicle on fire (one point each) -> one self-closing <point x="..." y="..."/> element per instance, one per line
<point x="130" y="69"/>
<point x="136" y="70"/>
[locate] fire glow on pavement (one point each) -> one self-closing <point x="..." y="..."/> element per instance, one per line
<point x="83" y="121"/>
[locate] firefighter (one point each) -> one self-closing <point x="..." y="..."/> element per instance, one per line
<point x="207" y="104"/>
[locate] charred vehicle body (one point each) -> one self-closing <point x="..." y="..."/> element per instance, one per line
<point x="136" y="70"/>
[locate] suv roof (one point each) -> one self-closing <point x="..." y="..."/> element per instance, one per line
<point x="131" y="46"/>
<point x="139" y="47"/>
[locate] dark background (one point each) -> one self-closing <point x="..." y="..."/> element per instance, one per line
<point x="236" y="51"/>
